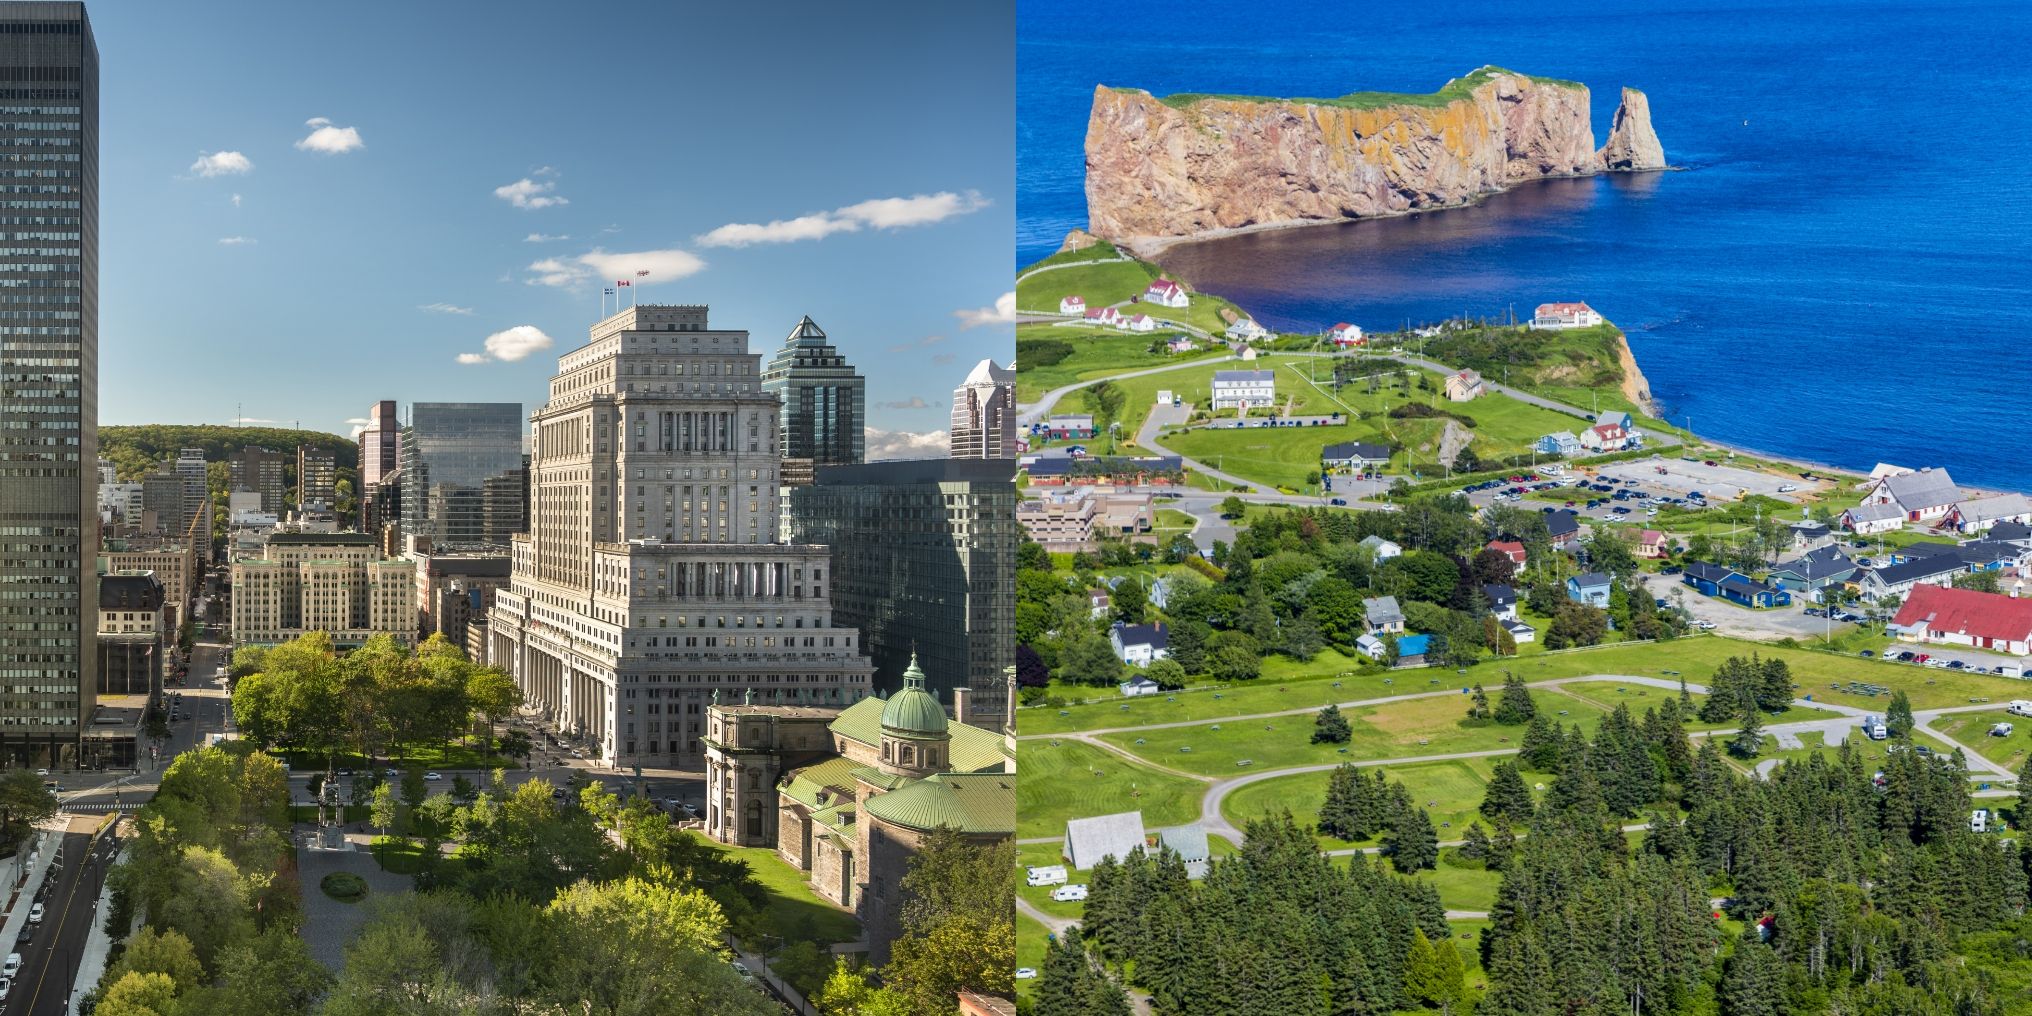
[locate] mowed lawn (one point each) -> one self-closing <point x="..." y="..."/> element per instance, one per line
<point x="1450" y="791"/>
<point x="1031" y="943"/>
<point x="1639" y="697"/>
<point x="1973" y="730"/>
<point x="1070" y="779"/>
<point x="1096" y="353"/>
<point x="1414" y="727"/>
<point x="795" y="912"/>
<point x="1277" y="456"/>
<point x="1099" y="284"/>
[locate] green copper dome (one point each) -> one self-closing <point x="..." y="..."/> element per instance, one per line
<point x="913" y="710"/>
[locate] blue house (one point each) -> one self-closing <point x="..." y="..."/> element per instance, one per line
<point x="1751" y="593"/>
<point x="1591" y="589"/>
<point x="1707" y="578"/>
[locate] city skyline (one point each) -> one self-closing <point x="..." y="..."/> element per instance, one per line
<point x="350" y="219"/>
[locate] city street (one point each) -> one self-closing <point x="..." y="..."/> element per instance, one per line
<point x="50" y="950"/>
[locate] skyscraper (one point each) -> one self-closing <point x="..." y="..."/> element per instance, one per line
<point x="650" y="583"/>
<point x="263" y="471"/>
<point x="984" y="413"/>
<point x="825" y="404"/>
<point x="49" y="352"/>
<point x="190" y="465"/>
<point x="317" y="474"/>
<point x="924" y="564"/>
<point x="378" y="451"/>
<point x="462" y="474"/>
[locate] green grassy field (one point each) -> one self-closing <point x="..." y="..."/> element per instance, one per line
<point x="795" y="913"/>
<point x="1100" y="284"/>
<point x="1638" y="698"/>
<point x="1463" y="888"/>
<point x="1873" y="752"/>
<point x="1451" y="791"/>
<point x="1059" y="783"/>
<point x="1456" y="90"/>
<point x="1030" y="947"/>
<point x="1095" y="353"/>
<point x="1276" y="456"/>
<point x="1426" y="726"/>
<point x="1973" y="730"/>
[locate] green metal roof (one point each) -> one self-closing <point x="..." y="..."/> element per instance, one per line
<point x="835" y="774"/>
<point x="914" y="712"/>
<point x="973" y="750"/>
<point x="980" y="803"/>
<point x="833" y="819"/>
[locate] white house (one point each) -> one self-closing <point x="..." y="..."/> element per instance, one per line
<point x="1139" y="685"/>
<point x="1073" y="305"/>
<point x="1559" y="316"/>
<point x="1520" y="632"/>
<point x="1605" y="437"/>
<point x="1898" y="580"/>
<point x="1166" y="293"/>
<point x="1244" y="389"/>
<point x="1141" y="323"/>
<point x="1979" y="514"/>
<point x="1345" y="334"/>
<point x="1138" y="644"/>
<point x="1382" y="548"/>
<point x="1919" y="496"/>
<point x="1107" y="317"/>
<point x="1865" y="520"/>
<point x="1247" y="330"/>
<point x="1464" y="386"/>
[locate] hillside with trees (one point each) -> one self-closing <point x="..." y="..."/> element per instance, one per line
<point x="135" y="451"/>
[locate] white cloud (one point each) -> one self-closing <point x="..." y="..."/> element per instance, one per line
<point x="904" y="444"/>
<point x="329" y="139"/>
<point x="913" y="402"/>
<point x="543" y="171"/>
<point x="445" y="308"/>
<point x="236" y="241"/>
<point x="905" y="347"/>
<point x="509" y="345"/>
<point x="527" y="193"/>
<point x="545" y="237"/>
<point x="359" y="425"/>
<point x="222" y="164"/>
<point x="879" y="213"/>
<point x="604" y="267"/>
<point x="1002" y="313"/>
<point x="236" y="201"/>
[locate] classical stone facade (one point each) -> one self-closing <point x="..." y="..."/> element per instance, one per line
<point x="651" y="577"/>
<point x="336" y="583"/>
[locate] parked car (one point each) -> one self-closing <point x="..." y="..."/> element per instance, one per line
<point x="35" y="914"/>
<point x="1339" y="502"/>
<point x="6" y="985"/>
<point x="742" y="969"/>
<point x="1026" y="973"/>
<point x="12" y="966"/>
<point x="432" y="777"/>
<point x="1867" y="652"/>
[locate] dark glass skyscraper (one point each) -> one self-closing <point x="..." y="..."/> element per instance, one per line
<point x="49" y="340"/>
<point x="825" y="404"/>
<point x="462" y="473"/>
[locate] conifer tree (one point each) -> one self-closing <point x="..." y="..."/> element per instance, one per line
<point x="1515" y="706"/>
<point x="1330" y="727"/>
<point x="1543" y="748"/>
<point x="1412" y="842"/>
<point x="1898" y="719"/>
<point x="1753" y="983"/>
<point x="1507" y="795"/>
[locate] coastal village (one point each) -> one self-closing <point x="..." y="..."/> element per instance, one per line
<point x="1249" y="542"/>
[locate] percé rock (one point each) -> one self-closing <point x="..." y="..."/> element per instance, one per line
<point x="1161" y="170"/>
<point x="1633" y="144"/>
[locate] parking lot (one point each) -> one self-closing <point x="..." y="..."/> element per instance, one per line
<point x="1730" y="619"/>
<point x="1968" y="658"/>
<point x="1717" y="481"/>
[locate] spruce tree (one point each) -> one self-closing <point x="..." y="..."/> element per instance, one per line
<point x="1475" y="845"/>
<point x="1412" y="842"/>
<point x="1542" y="748"/>
<point x="1749" y="739"/>
<point x="1515" y="705"/>
<point x="1898" y="718"/>
<point x="1478" y="707"/>
<point x="1330" y="727"/>
<point x="1753" y="983"/>
<point x="1774" y="690"/>
<point x="1507" y="795"/>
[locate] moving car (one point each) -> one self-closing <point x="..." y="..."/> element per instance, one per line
<point x="432" y="777"/>
<point x="12" y="966"/>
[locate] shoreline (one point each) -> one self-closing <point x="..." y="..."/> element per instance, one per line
<point x="1148" y="248"/>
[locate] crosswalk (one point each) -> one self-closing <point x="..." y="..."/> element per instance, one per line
<point x="99" y="806"/>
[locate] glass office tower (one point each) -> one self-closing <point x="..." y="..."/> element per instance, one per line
<point x="49" y="341"/>
<point x="462" y="474"/>
<point x="825" y="404"/>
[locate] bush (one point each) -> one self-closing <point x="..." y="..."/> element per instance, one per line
<point x="1040" y="352"/>
<point x="344" y="886"/>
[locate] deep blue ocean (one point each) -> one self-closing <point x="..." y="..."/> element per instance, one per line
<point x="1843" y="273"/>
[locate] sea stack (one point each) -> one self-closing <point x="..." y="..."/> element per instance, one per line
<point x="1633" y="144"/>
<point x="1193" y="166"/>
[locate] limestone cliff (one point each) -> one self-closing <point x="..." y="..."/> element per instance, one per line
<point x="1160" y="170"/>
<point x="1633" y="143"/>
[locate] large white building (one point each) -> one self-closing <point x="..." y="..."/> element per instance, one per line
<point x="1244" y="389"/>
<point x="330" y="582"/>
<point x="651" y="577"/>
<point x="984" y="413"/>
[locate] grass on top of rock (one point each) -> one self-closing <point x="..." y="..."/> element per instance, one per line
<point x="1457" y="90"/>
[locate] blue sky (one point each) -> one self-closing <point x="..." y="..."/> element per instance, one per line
<point x="307" y="208"/>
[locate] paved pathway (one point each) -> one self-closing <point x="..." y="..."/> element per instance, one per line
<point x="1069" y="264"/>
<point x="328" y="923"/>
<point x="1035" y="411"/>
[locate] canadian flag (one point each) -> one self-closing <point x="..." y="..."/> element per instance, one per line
<point x="620" y="282"/>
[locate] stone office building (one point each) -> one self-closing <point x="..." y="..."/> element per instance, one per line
<point x="650" y="578"/>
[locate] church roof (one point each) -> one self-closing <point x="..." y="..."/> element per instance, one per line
<point x="970" y="750"/>
<point x="968" y="802"/>
<point x="835" y="774"/>
<point x="914" y="711"/>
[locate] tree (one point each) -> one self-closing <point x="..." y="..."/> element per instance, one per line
<point x="1610" y="553"/>
<point x="1089" y="658"/>
<point x="1130" y="601"/>
<point x="1749" y="739"/>
<point x="1073" y="985"/>
<point x="1433" y="973"/>
<point x="1337" y="608"/>
<point x="638" y="948"/>
<point x="847" y="993"/>
<point x="1981" y="581"/>
<point x="272" y="975"/>
<point x="1514" y="706"/>
<point x="24" y="801"/>
<point x="1507" y="796"/>
<point x="138" y="994"/>
<point x="1233" y="507"/>
<point x="1898" y="719"/>
<point x="1031" y="671"/>
<point x="1576" y="624"/>
<point x="1478" y="707"/>
<point x="1167" y="672"/>
<point x="1412" y="843"/>
<point x="1330" y="727"/>
<point x="1475" y="843"/>
<point x="1753" y="982"/>
<point x="1235" y="657"/>
<point x="958" y="930"/>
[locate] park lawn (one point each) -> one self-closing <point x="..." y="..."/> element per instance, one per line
<point x="1640" y="697"/>
<point x="1031" y="942"/>
<point x="1973" y="730"/>
<point x="1873" y="752"/>
<point x="1410" y="728"/>
<point x="1285" y="685"/>
<point x="1450" y="791"/>
<point x="398" y="856"/>
<point x="1194" y="385"/>
<point x="1096" y="352"/>
<point x="1060" y="783"/>
<point x="795" y="912"/>
<point x="1101" y="283"/>
<point x="1030" y="855"/>
<point x="1463" y="888"/>
<point x="1277" y="456"/>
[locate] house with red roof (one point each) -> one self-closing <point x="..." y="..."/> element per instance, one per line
<point x="1166" y="293"/>
<point x="1072" y="305"/>
<point x="1560" y="316"/>
<point x="1512" y="549"/>
<point x="1345" y="335"/>
<point x="1605" y="437"/>
<point x="1651" y="543"/>
<point x="1105" y="316"/>
<point x="1140" y="323"/>
<point x="1965" y="617"/>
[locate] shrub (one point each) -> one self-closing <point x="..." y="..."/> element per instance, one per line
<point x="344" y="886"/>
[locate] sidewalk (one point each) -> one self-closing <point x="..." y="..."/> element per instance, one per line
<point x="98" y="944"/>
<point x="23" y="896"/>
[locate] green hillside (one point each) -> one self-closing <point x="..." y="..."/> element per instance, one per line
<point x="136" y="451"/>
